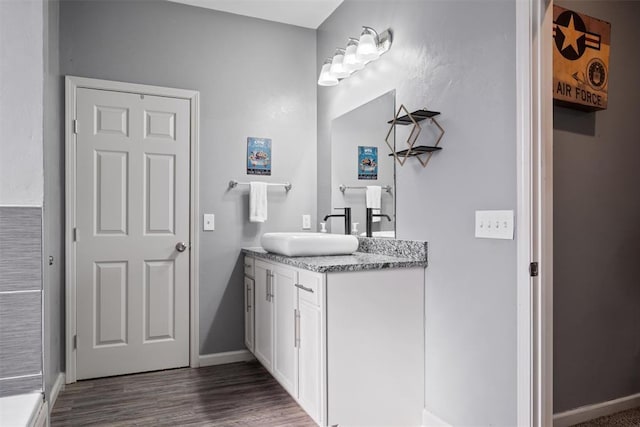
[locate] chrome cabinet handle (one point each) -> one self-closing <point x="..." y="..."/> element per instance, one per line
<point x="304" y="288"/>
<point x="296" y="328"/>
<point x="248" y="299"/>
<point x="270" y="280"/>
<point x="268" y="285"/>
<point x="181" y="246"/>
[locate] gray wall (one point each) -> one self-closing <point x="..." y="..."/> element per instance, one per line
<point x="256" y="78"/>
<point x="457" y="58"/>
<point x="53" y="212"/>
<point x="21" y="107"/>
<point x="597" y="228"/>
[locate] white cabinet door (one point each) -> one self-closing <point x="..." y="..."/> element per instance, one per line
<point x="248" y="313"/>
<point x="285" y="361"/>
<point x="310" y="363"/>
<point x="263" y="323"/>
<point x="311" y="383"/>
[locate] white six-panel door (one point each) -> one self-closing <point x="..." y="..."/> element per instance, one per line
<point x="132" y="209"/>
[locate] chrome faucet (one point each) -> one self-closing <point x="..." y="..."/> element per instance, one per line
<point x="347" y="219"/>
<point x="370" y="216"/>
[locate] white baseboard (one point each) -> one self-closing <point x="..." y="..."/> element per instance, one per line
<point x="58" y="386"/>
<point x="431" y="420"/>
<point x="590" y="412"/>
<point x="224" y="358"/>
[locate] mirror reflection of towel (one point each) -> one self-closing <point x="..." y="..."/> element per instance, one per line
<point x="373" y="196"/>
<point x="258" y="201"/>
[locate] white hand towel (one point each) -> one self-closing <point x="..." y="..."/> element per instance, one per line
<point x="258" y="202"/>
<point x="373" y="196"/>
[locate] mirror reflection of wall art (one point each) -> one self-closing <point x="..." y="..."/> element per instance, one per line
<point x="258" y="156"/>
<point x="367" y="162"/>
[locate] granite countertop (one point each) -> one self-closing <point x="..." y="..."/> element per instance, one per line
<point x="373" y="254"/>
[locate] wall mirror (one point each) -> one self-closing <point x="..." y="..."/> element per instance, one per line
<point x="360" y="158"/>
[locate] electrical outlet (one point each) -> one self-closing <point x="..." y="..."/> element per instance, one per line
<point x="306" y="222"/>
<point x="494" y="225"/>
<point x="209" y="222"/>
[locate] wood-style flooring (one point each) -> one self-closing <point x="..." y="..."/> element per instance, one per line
<point x="630" y="418"/>
<point x="239" y="394"/>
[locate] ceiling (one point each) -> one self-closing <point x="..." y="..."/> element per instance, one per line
<point x="303" y="13"/>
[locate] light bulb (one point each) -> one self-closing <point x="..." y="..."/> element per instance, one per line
<point x="368" y="45"/>
<point x="337" y="65"/>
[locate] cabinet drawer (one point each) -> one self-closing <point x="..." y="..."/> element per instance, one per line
<point x="310" y="287"/>
<point x="248" y="266"/>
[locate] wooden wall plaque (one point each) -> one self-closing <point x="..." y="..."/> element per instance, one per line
<point x="580" y="60"/>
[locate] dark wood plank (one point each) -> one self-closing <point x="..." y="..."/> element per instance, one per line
<point x="234" y="395"/>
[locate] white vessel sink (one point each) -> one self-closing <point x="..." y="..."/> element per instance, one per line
<point x="309" y="244"/>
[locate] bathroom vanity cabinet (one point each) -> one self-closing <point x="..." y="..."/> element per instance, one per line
<point x="347" y="345"/>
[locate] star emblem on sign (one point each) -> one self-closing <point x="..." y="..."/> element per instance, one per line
<point x="571" y="35"/>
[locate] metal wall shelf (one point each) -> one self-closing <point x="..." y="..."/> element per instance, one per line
<point x="417" y="115"/>
<point x="416" y="151"/>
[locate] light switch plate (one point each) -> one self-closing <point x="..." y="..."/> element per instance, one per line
<point x="494" y="225"/>
<point x="209" y="222"/>
<point x="306" y="222"/>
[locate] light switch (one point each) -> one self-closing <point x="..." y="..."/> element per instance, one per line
<point x="306" y="222"/>
<point x="494" y="225"/>
<point x="209" y="222"/>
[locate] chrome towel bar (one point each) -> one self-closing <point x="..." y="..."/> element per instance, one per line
<point x="287" y="185"/>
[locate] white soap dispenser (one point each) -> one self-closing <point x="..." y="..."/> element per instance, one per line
<point x="354" y="228"/>
<point x="323" y="227"/>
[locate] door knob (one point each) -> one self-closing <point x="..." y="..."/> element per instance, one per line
<point x="181" y="246"/>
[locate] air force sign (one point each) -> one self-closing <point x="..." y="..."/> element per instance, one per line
<point x="580" y="60"/>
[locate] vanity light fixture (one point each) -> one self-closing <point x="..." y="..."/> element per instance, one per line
<point x="355" y="56"/>
<point x="326" y="78"/>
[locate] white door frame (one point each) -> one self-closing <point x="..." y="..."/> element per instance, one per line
<point x="72" y="84"/>
<point x="534" y="66"/>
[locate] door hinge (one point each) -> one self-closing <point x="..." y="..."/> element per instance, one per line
<point x="533" y="269"/>
<point x="75" y="342"/>
<point x="75" y="234"/>
<point x="75" y="126"/>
